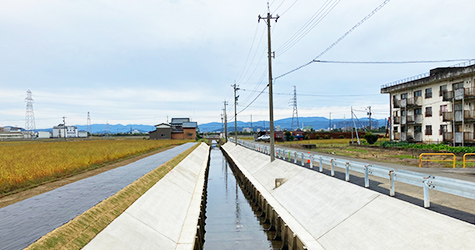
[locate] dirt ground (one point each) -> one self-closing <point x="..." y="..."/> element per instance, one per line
<point x="25" y="194"/>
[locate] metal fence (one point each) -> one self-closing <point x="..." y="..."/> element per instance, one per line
<point x="443" y="184"/>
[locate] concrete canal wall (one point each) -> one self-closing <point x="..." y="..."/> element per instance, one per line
<point x="312" y="210"/>
<point x="168" y="216"/>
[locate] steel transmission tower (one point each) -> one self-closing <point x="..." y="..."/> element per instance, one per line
<point x="30" y="115"/>
<point x="89" y="123"/>
<point x="295" y="113"/>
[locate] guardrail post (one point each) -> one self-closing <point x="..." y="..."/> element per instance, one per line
<point x="310" y="157"/>
<point x="426" y="185"/>
<point x="392" y="189"/>
<point x="366" y="176"/>
<point x="347" y="171"/>
<point x="333" y="167"/>
<point x="295" y="157"/>
<point x="289" y="155"/>
<point x="320" y="168"/>
<point x="303" y="161"/>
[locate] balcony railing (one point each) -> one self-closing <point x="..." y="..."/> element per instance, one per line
<point x="447" y="116"/>
<point x="410" y="118"/>
<point x="397" y="120"/>
<point x="468" y="136"/>
<point x="397" y="136"/>
<point x="447" y="95"/>
<point x="447" y="136"/>
<point x="418" y="136"/>
<point x="459" y="94"/>
<point x="469" y="92"/>
<point x="414" y="102"/>
<point x="469" y="114"/>
<point x="396" y="103"/>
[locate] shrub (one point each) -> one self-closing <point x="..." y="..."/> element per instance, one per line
<point x="341" y="137"/>
<point x="327" y="137"/>
<point x="370" y="138"/>
<point x="318" y="137"/>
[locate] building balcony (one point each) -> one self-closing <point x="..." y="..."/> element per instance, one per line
<point x="458" y="116"/>
<point x="418" y="136"/>
<point x="403" y="136"/>
<point x="469" y="115"/>
<point x="447" y="95"/>
<point x="469" y="93"/>
<point x="397" y="120"/>
<point x="468" y="136"/>
<point x="397" y="136"/>
<point x="403" y="103"/>
<point x="396" y="103"/>
<point x="414" y="102"/>
<point x="447" y="116"/>
<point x="447" y="136"/>
<point x="459" y="94"/>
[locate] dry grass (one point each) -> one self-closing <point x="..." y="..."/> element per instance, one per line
<point x="78" y="232"/>
<point x="28" y="164"/>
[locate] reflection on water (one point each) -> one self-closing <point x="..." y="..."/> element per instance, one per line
<point x="230" y="222"/>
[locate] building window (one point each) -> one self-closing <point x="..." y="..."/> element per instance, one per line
<point x="428" y="93"/>
<point x="443" y="129"/>
<point x="162" y="135"/>
<point x="403" y="96"/>
<point x="442" y="89"/>
<point x="417" y="129"/>
<point x="417" y="111"/>
<point x="443" y="108"/>
<point x="395" y="129"/>
<point x="458" y="85"/>
<point x="428" y="111"/>
<point x="428" y="129"/>
<point x="418" y="93"/>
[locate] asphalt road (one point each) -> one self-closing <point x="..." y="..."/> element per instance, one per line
<point x="26" y="221"/>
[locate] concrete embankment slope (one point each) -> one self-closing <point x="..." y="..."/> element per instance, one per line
<point x="167" y="215"/>
<point x="326" y="213"/>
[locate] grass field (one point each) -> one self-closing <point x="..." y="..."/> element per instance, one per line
<point x="30" y="163"/>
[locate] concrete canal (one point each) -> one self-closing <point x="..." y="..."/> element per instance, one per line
<point x="231" y="222"/>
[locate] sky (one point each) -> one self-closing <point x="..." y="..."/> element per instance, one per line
<point x="143" y="62"/>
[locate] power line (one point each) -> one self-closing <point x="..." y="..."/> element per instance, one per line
<point x="319" y="95"/>
<point x="339" y="39"/>
<point x="321" y="13"/>
<point x="392" y="62"/>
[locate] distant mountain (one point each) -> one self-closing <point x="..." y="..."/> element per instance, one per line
<point x="286" y="123"/>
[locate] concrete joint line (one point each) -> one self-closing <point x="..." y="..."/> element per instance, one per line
<point x="349" y="216"/>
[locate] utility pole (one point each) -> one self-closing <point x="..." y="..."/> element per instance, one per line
<point x="64" y="124"/>
<point x="235" y="112"/>
<point x="271" y="102"/>
<point x="330" y="122"/>
<point x="225" y="123"/>
<point x="369" y="113"/>
<point x="251" y="125"/>
<point x="89" y="130"/>
<point x="222" y="123"/>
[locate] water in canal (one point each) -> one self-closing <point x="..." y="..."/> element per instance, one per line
<point x="231" y="222"/>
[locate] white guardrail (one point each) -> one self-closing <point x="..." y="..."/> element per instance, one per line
<point x="447" y="185"/>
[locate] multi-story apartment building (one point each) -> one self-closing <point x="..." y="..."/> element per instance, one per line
<point x="436" y="107"/>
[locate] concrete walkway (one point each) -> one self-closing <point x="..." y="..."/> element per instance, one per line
<point x="327" y="213"/>
<point x="26" y="221"/>
<point x="166" y="216"/>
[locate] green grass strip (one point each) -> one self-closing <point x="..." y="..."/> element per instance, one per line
<point x="79" y="231"/>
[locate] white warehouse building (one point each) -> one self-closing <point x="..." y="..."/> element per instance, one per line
<point x="62" y="131"/>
